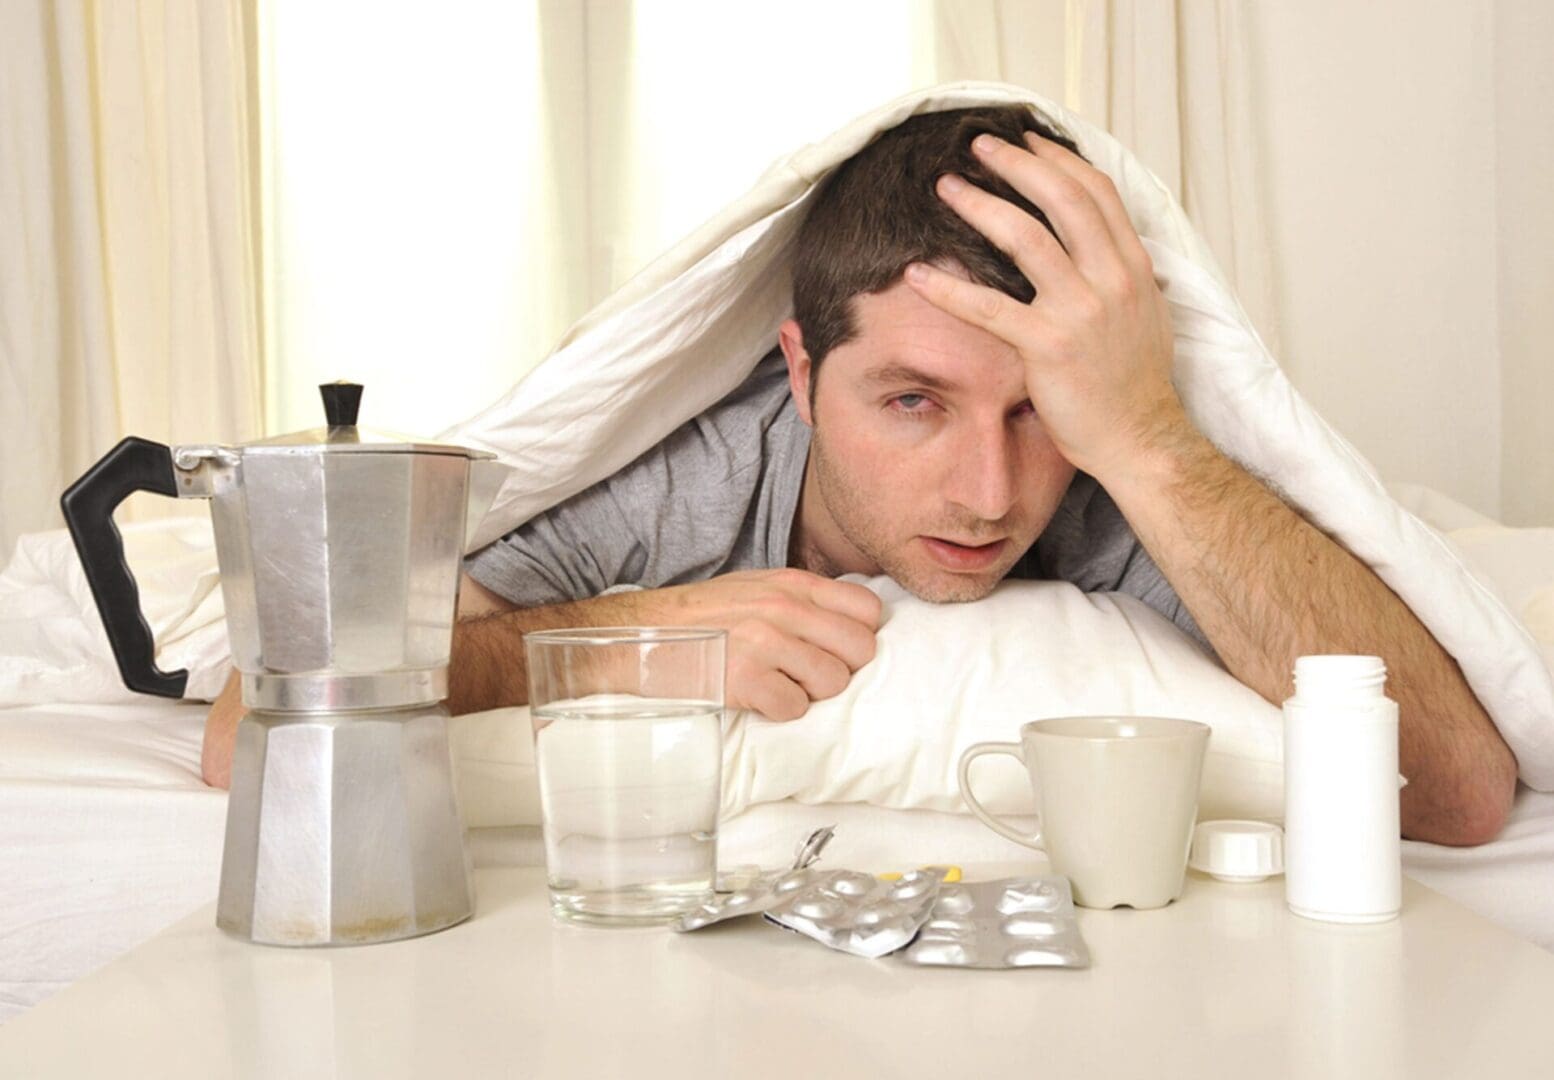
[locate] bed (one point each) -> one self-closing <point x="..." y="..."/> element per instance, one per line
<point x="107" y="835"/>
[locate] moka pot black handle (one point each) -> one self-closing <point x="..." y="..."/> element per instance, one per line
<point x="134" y="465"/>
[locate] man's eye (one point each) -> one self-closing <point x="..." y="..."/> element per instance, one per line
<point x="910" y="402"/>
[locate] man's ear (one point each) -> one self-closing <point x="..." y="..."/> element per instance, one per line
<point x="791" y="338"/>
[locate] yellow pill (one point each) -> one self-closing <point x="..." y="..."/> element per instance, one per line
<point x="951" y="874"/>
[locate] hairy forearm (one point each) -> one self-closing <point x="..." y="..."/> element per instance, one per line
<point x="1266" y="587"/>
<point x="488" y="669"/>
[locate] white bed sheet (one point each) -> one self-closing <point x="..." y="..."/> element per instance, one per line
<point x="107" y="835"/>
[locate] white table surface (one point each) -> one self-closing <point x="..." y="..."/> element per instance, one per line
<point x="1224" y="982"/>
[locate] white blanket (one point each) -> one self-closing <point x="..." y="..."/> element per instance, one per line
<point x="690" y="327"/>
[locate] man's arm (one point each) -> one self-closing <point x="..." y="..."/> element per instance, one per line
<point x="1263" y="585"/>
<point x="221" y="732"/>
<point x="488" y="668"/>
<point x="1266" y="587"/>
<point x="794" y="637"/>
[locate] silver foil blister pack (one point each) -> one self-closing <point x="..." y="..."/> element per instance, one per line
<point x="858" y="913"/>
<point x="1016" y="922"/>
<point x="917" y="919"/>
<point x="742" y="893"/>
<point x="752" y="897"/>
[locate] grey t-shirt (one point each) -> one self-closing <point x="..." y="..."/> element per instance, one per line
<point x="720" y="494"/>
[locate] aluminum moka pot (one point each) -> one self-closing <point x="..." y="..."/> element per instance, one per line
<point x="340" y="552"/>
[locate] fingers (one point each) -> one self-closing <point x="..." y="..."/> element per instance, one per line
<point x="838" y="616"/>
<point x="1066" y="200"/>
<point x="1014" y="232"/>
<point x="820" y="673"/>
<point x="778" y="674"/>
<point x="794" y="637"/>
<point x="851" y="640"/>
<point x="801" y="641"/>
<point x="977" y="304"/>
<point x="850" y="599"/>
<point x="1086" y="212"/>
<point x="1103" y="191"/>
<point x="774" y="696"/>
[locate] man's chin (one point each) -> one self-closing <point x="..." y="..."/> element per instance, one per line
<point x="942" y="587"/>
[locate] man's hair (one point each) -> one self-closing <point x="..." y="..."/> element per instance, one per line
<point x="879" y="211"/>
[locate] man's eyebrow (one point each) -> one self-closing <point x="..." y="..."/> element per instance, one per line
<point x="892" y="374"/>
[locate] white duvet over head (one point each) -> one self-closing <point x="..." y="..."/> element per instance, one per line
<point x="690" y="327"/>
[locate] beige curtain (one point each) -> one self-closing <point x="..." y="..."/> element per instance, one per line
<point x="654" y="153"/>
<point x="129" y="298"/>
<point x="1171" y="80"/>
<point x="556" y="147"/>
<point x="602" y="133"/>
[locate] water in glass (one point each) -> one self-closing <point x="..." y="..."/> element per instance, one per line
<point x="629" y="788"/>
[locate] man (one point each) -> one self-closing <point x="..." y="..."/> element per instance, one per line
<point x="969" y="388"/>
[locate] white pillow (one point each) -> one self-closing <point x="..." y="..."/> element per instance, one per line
<point x="946" y="676"/>
<point x="53" y="649"/>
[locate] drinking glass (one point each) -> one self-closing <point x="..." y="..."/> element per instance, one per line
<point x="628" y="749"/>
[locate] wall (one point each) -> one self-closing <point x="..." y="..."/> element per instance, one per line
<point x="1379" y="148"/>
<point x="1524" y="230"/>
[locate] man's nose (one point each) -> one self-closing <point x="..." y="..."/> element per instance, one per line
<point x="981" y="475"/>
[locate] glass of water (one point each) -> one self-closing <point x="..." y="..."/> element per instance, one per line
<point x="628" y="747"/>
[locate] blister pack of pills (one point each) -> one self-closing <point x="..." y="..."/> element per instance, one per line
<point x="1016" y="922"/>
<point x="858" y="913"/>
<point x="747" y="891"/>
<point x="919" y="917"/>
<point x="751" y="897"/>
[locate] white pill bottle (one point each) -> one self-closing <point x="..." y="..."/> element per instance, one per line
<point x="1342" y="853"/>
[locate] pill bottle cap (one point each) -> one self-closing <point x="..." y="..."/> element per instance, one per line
<point x="1240" y="851"/>
<point x="1339" y="678"/>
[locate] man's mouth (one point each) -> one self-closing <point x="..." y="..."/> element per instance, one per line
<point x="963" y="557"/>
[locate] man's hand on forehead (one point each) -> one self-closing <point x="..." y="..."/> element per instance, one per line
<point x="1264" y="585"/>
<point x="1097" y="340"/>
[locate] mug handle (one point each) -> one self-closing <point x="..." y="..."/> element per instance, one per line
<point x="973" y="752"/>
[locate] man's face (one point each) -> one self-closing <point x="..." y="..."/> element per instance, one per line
<point x="928" y="462"/>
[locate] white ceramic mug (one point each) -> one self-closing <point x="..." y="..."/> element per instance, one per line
<point x="1118" y="796"/>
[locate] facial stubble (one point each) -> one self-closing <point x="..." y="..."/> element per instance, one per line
<point x="862" y="519"/>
